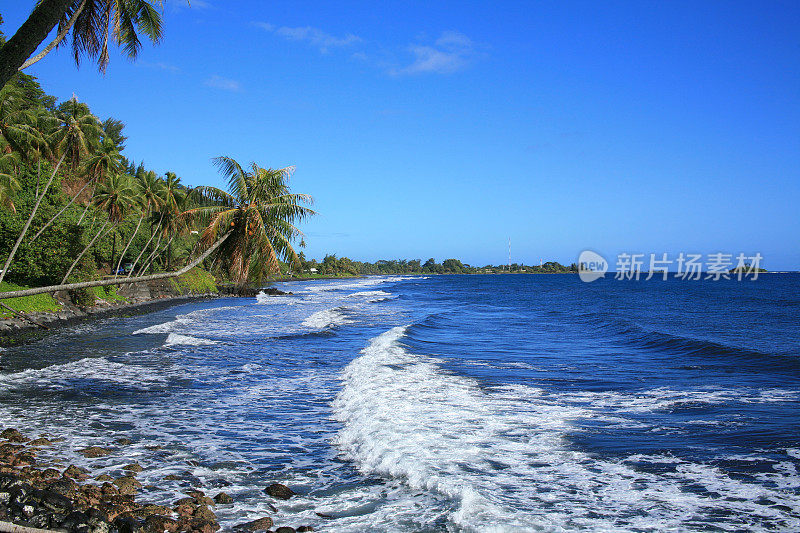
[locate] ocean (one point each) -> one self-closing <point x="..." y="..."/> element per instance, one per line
<point x="445" y="403"/>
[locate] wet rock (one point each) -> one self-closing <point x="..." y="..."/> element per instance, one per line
<point x="13" y="435"/>
<point x="123" y="442"/>
<point x="303" y="529"/>
<point x="64" y="486"/>
<point x="127" y="485"/>
<point x="160" y="524"/>
<point x="104" y="477"/>
<point x="196" y="493"/>
<point x="261" y="524"/>
<point x="186" y="501"/>
<point x="184" y="510"/>
<point x="23" y="459"/>
<point x="223" y="498"/>
<point x="107" y="489"/>
<point x="205" y="514"/>
<point x="50" y="473"/>
<point x="74" y="472"/>
<point x="94" y="451"/>
<point x="127" y="524"/>
<point x="285" y="529"/>
<point x="172" y="477"/>
<point x="153" y="448"/>
<point x="133" y="467"/>
<point x="324" y="515"/>
<point x="281" y="492"/>
<point x="41" y="441"/>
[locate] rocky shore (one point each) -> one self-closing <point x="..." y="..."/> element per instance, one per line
<point x="41" y="495"/>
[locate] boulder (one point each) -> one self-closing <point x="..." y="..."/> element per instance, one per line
<point x="222" y="498"/>
<point x="94" y="451"/>
<point x="76" y="473"/>
<point x="205" y="514"/>
<point x="261" y="524"/>
<point x="285" y="529"/>
<point x="133" y="467"/>
<point x="127" y="485"/>
<point x="303" y="529"/>
<point x="13" y="435"/>
<point x="41" y="441"/>
<point x="160" y="524"/>
<point x="281" y="492"/>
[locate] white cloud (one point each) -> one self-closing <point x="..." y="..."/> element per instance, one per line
<point x="218" y="82"/>
<point x="160" y="66"/>
<point x="313" y="36"/>
<point x="451" y="52"/>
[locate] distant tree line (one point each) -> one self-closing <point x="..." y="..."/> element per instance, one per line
<point x="331" y="265"/>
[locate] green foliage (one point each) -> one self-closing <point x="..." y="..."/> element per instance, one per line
<point x="196" y="281"/>
<point x="38" y="303"/>
<point x="107" y="293"/>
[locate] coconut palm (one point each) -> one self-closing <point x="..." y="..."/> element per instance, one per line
<point x="258" y="214"/>
<point x="116" y="197"/>
<point x="93" y="23"/>
<point x="148" y="196"/>
<point x="17" y="123"/>
<point x="8" y="179"/>
<point x="78" y="131"/>
<point x="104" y="160"/>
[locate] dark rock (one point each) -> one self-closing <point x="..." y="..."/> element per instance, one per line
<point x="282" y="492"/>
<point x="186" y="501"/>
<point x="127" y="485"/>
<point x="285" y="529"/>
<point x="133" y="467"/>
<point x="12" y="435"/>
<point x="123" y="442"/>
<point x="160" y="524"/>
<point x="55" y="502"/>
<point x="223" y="498"/>
<point x="95" y="451"/>
<point x="172" y="477"/>
<point x="128" y="524"/>
<point x="41" y="441"/>
<point x="64" y="486"/>
<point x="76" y="473"/>
<point x="205" y="514"/>
<point x="303" y="529"/>
<point x="196" y="493"/>
<point x="108" y="489"/>
<point x="261" y="524"/>
<point x="104" y="477"/>
<point x="324" y="515"/>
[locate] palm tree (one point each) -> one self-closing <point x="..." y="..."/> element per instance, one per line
<point x="78" y="131"/>
<point x="258" y="214"/>
<point x="8" y="179"/>
<point x="115" y="197"/>
<point x="93" y="24"/>
<point x="148" y="196"/>
<point x="104" y="160"/>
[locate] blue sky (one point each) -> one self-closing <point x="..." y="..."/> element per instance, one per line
<point x="442" y="129"/>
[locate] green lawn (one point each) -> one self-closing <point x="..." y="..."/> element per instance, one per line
<point x="26" y="304"/>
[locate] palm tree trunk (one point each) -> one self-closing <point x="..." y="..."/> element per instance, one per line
<point x="62" y="211"/>
<point x="122" y="255"/>
<point x="112" y="281"/>
<point x="87" y="208"/>
<point x="58" y="39"/>
<point x="113" y="251"/>
<point x="77" y="259"/>
<point x="29" y="36"/>
<point x="169" y="243"/>
<point x="152" y="235"/>
<point x="33" y="213"/>
<point x="149" y="258"/>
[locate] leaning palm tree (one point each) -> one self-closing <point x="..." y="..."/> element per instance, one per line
<point x="258" y="214"/>
<point x="76" y="129"/>
<point x="104" y="161"/>
<point x="115" y="197"/>
<point x="94" y="23"/>
<point x="148" y="196"/>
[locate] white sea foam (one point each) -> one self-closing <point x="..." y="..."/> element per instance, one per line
<point x="264" y="298"/>
<point x="98" y="369"/>
<point x="325" y="319"/>
<point x="177" y="339"/>
<point x="504" y="457"/>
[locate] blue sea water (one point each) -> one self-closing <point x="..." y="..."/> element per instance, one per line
<point x="445" y="403"/>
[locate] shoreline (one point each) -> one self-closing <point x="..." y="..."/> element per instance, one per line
<point x="53" y="495"/>
<point x="30" y="327"/>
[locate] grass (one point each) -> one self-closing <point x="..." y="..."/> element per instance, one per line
<point x="38" y="303"/>
<point x="107" y="293"/>
<point x="196" y="281"/>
